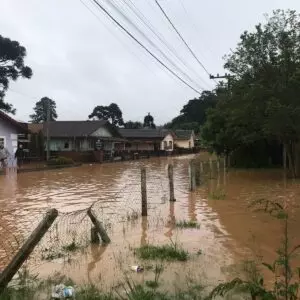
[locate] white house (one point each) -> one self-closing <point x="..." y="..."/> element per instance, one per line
<point x="184" y="139"/>
<point x="10" y="129"/>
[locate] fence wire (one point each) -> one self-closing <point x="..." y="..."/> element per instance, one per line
<point x="71" y="230"/>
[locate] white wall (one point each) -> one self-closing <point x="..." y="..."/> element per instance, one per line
<point x="9" y="134"/>
<point x="187" y="144"/>
<point x="101" y="132"/>
<point x="169" y="142"/>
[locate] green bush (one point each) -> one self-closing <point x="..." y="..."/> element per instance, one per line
<point x="60" y="161"/>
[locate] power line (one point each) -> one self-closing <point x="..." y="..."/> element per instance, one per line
<point x="144" y="47"/>
<point x="181" y="37"/>
<point x="110" y="31"/>
<point x="148" y="24"/>
<point x="213" y="53"/>
<point x="122" y="12"/>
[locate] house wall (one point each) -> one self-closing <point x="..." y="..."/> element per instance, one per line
<point x="139" y="146"/>
<point x="187" y="144"/>
<point x="167" y="143"/>
<point x="59" y="144"/>
<point x="9" y="134"/>
<point x="82" y="144"/>
<point x="101" y="132"/>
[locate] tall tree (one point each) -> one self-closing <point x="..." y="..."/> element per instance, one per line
<point x="110" y="113"/>
<point x="193" y="114"/>
<point x="263" y="101"/>
<point x="41" y="111"/>
<point x="133" y="125"/>
<point x="12" y="67"/>
<point x="149" y="122"/>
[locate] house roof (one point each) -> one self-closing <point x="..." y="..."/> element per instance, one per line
<point x="183" y="134"/>
<point x="77" y="128"/>
<point x="20" y="126"/>
<point x="143" y="133"/>
<point x="35" y="128"/>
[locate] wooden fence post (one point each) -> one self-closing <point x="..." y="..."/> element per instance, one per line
<point x="144" y="192"/>
<point x="27" y="248"/>
<point x="99" y="227"/>
<point x="211" y="167"/>
<point x="94" y="236"/>
<point x="192" y="175"/>
<point x="171" y="182"/>
<point x="197" y="174"/>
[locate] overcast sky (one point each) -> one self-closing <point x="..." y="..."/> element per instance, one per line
<point x="82" y="61"/>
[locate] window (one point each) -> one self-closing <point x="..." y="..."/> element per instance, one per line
<point x="66" y="145"/>
<point x="165" y="145"/>
<point x="190" y="144"/>
<point x="170" y="144"/>
<point x="91" y="144"/>
<point x="3" y="140"/>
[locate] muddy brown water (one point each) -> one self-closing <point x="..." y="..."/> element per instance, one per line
<point x="229" y="233"/>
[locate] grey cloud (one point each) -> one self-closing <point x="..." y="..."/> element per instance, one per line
<point x="79" y="63"/>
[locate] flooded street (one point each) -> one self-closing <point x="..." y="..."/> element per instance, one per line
<point x="229" y="233"/>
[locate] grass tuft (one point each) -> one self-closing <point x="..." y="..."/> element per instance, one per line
<point x="164" y="252"/>
<point x="71" y="247"/>
<point x="187" y="224"/>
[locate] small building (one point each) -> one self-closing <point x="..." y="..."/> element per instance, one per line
<point x="73" y="138"/>
<point x="150" y="140"/>
<point x="184" y="139"/>
<point x="12" y="132"/>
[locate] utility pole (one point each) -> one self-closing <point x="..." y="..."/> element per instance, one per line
<point x="48" y="125"/>
<point x="226" y="76"/>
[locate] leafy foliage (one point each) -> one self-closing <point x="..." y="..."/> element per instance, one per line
<point x="133" y="125"/>
<point x="193" y="114"/>
<point x="149" y="121"/>
<point x="261" y="98"/>
<point x="111" y="113"/>
<point x="12" y="67"/>
<point x="41" y="111"/>
<point x="60" y="161"/>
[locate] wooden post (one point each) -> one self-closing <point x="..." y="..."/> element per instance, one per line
<point x="211" y="168"/>
<point x="94" y="236"/>
<point x="171" y="182"/>
<point x="99" y="227"/>
<point x="144" y="192"/>
<point x="192" y="175"/>
<point x="13" y="267"/>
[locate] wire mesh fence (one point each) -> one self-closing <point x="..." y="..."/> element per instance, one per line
<point x="72" y="229"/>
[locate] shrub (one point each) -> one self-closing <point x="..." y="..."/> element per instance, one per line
<point x="59" y="161"/>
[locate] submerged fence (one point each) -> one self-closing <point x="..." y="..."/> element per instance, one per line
<point x="69" y="231"/>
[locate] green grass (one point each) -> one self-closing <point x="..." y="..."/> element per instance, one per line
<point x="71" y="247"/>
<point x="187" y="224"/>
<point x="164" y="252"/>
<point x="152" y="284"/>
<point x="91" y="292"/>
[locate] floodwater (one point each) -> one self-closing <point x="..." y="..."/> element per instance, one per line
<point x="230" y="232"/>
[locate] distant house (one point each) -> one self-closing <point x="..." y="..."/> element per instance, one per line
<point x="11" y="132"/>
<point x="148" y="139"/>
<point x="81" y="136"/>
<point x="184" y="139"/>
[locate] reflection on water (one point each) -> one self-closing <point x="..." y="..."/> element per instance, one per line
<point x="229" y="230"/>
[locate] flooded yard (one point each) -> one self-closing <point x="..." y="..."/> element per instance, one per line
<point x="229" y="232"/>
